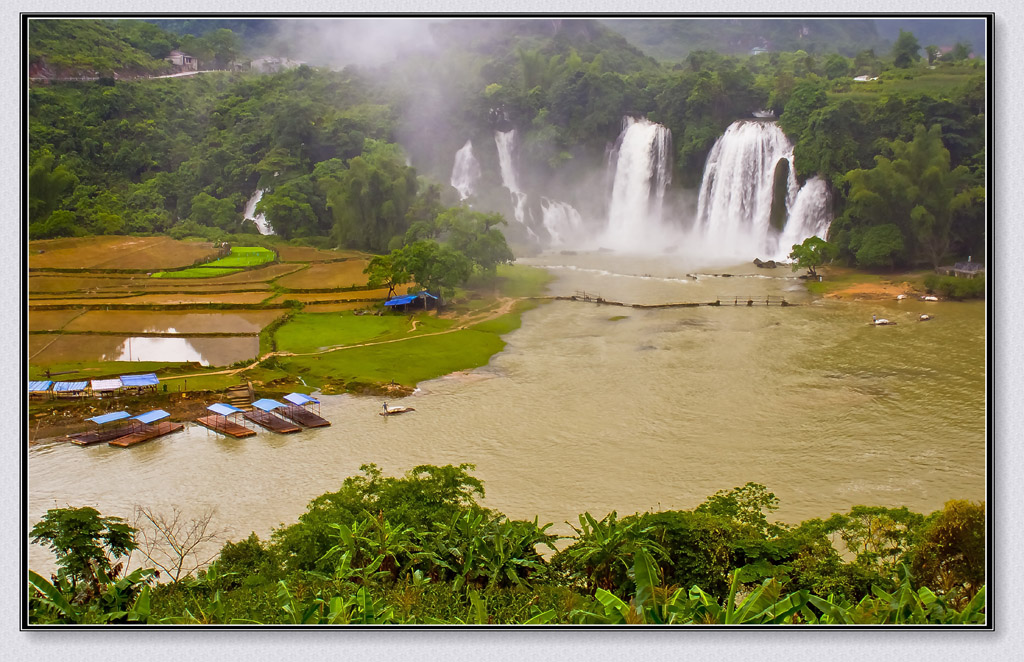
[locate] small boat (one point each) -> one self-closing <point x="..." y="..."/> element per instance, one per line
<point x="883" y="322"/>
<point x="901" y="297"/>
<point x="391" y="411"/>
<point x="924" y="317"/>
<point x="929" y="298"/>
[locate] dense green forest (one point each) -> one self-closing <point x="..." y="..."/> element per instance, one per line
<point x="904" y="155"/>
<point x="421" y="549"/>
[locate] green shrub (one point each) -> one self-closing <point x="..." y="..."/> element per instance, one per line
<point x="956" y="288"/>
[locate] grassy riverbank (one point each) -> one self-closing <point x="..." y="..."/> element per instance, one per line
<point x="850" y="284"/>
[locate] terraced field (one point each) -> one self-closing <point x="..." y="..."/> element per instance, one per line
<point x="289" y="322"/>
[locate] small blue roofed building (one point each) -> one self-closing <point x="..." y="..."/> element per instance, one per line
<point x="411" y="301"/>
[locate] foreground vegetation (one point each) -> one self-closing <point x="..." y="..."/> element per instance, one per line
<point x="420" y="549"/>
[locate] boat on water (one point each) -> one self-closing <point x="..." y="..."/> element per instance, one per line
<point x="391" y="411"/>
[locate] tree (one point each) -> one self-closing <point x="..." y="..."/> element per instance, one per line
<point x="951" y="555"/>
<point x="836" y="66"/>
<point x="745" y="506"/>
<point x="813" y="253"/>
<point x="213" y="212"/>
<point x="387" y="271"/>
<point x="436" y="267"/>
<point x="86" y="544"/>
<point x="906" y="51"/>
<point x="880" y="246"/>
<point x="961" y="51"/>
<point x="47" y="185"/>
<point x="174" y="543"/>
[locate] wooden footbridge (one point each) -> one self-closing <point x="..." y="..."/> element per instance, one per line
<point x="735" y="300"/>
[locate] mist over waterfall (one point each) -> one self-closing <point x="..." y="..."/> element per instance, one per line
<point x="506" y="142"/>
<point x="466" y="171"/>
<point x="640" y="169"/>
<point x="262" y="225"/>
<point x="562" y="221"/>
<point x="734" y="207"/>
<point x="810" y="215"/>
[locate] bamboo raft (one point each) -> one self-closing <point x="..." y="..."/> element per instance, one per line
<point x="271" y="422"/>
<point x="146" y="433"/>
<point x="392" y="411"/>
<point x="304" y="417"/>
<point x="224" y="426"/>
<point x="98" y="436"/>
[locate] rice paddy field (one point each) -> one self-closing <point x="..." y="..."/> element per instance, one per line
<point x="211" y="332"/>
<point x="327" y="275"/>
<point x="117" y="252"/>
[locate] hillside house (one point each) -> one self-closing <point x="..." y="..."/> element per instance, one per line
<point x="182" y="61"/>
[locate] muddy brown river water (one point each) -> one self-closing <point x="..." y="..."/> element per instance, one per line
<point x="583" y="412"/>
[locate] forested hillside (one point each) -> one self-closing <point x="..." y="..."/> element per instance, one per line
<point x="183" y="156"/>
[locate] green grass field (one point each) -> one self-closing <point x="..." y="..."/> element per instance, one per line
<point x="240" y="258"/>
<point x="406" y="363"/>
<point x="308" y="332"/>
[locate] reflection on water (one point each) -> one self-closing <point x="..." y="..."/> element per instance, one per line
<point x="208" y="351"/>
<point x="179" y="350"/>
<point x="582" y="412"/>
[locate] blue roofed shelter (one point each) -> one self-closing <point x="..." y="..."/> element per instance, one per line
<point x="140" y="383"/>
<point x="411" y="301"/>
<point x="40" y="389"/>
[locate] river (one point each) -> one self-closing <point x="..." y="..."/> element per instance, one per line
<point x="598" y="408"/>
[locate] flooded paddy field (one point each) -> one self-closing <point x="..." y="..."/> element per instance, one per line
<point x="183" y="322"/>
<point x="51" y="320"/>
<point x="207" y="351"/>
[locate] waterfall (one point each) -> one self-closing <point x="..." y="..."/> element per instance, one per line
<point x="641" y="163"/>
<point x="734" y="207"/>
<point x="466" y="171"/>
<point x="810" y="215"/>
<point x="259" y="219"/>
<point x="506" y="140"/>
<point x="562" y="221"/>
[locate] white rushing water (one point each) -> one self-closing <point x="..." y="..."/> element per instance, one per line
<point x="735" y="201"/>
<point x="562" y="221"/>
<point x="809" y="216"/>
<point x="642" y="171"/>
<point x="466" y="171"/>
<point x="506" y="142"/>
<point x="260" y="220"/>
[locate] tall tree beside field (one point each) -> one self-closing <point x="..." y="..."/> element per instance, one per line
<point x="370" y="198"/>
<point x="906" y="51"/>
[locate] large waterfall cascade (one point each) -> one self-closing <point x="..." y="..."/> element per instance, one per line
<point x="260" y="220"/>
<point x="810" y="215"/>
<point x="734" y="205"/>
<point x="506" y="142"/>
<point x="642" y="167"/>
<point x="466" y="171"/>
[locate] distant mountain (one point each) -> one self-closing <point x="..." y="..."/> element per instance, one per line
<point x="672" y="39"/>
<point x="937" y="31"/>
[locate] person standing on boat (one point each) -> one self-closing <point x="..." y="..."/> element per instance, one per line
<point x="385" y="409"/>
